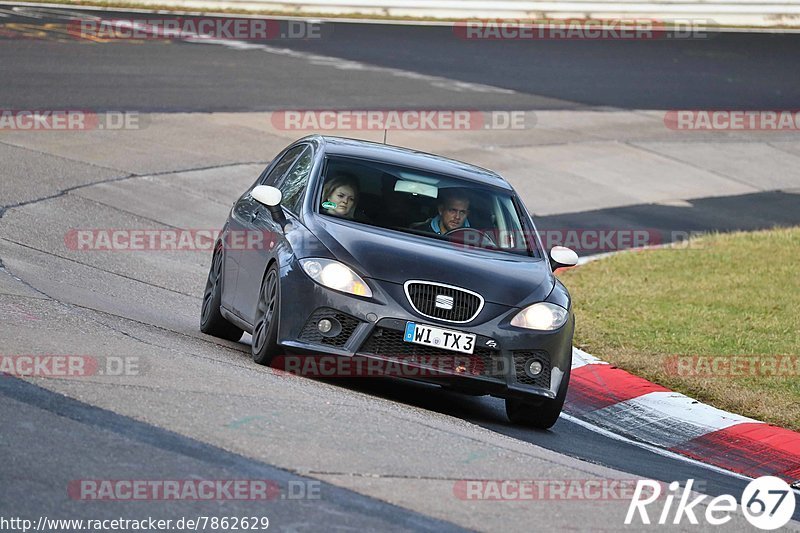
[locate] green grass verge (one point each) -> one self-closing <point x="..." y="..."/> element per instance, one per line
<point x="718" y="320"/>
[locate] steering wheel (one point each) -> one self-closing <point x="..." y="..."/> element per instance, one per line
<point x="471" y="236"/>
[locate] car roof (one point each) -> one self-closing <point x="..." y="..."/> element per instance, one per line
<point x="356" y="148"/>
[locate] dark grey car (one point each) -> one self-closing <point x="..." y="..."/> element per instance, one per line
<point x="382" y="280"/>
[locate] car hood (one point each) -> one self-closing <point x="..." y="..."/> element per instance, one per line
<point x="396" y="258"/>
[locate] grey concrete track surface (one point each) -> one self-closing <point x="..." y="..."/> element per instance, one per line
<point x="143" y="452"/>
<point x="145" y="305"/>
<point x="397" y="443"/>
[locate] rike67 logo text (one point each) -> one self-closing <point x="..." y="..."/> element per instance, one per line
<point x="768" y="503"/>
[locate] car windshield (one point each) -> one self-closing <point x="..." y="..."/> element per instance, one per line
<point x="435" y="206"/>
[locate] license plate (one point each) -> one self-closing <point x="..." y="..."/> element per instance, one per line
<point x="446" y="339"/>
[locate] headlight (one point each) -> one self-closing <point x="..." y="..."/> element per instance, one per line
<point x="336" y="276"/>
<point x="543" y="316"/>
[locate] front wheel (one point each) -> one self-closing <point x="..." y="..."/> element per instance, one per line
<point x="265" y="331"/>
<point x="540" y="414"/>
<point x="211" y="320"/>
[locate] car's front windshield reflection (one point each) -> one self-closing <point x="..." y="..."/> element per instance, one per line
<point x="436" y="206"/>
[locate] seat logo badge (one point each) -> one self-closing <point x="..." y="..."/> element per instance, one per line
<point x="491" y="344"/>
<point x="444" y="302"/>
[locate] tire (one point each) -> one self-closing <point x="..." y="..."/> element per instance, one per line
<point x="265" y="330"/>
<point x="211" y="320"/>
<point x="541" y="414"/>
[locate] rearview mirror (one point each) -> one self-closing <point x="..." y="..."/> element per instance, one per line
<point x="561" y="256"/>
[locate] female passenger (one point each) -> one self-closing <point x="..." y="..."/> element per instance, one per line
<point x="340" y="195"/>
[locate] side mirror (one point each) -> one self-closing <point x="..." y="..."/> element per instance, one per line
<point x="561" y="256"/>
<point x="266" y="195"/>
<point x="270" y="197"/>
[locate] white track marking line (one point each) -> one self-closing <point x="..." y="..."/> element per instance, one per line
<point x="581" y="358"/>
<point x="346" y="64"/>
<point x="676" y="405"/>
<point x="664" y="419"/>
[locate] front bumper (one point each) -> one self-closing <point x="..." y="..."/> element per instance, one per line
<point x="373" y="329"/>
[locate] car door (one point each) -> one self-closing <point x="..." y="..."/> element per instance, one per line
<point x="253" y="262"/>
<point x="241" y="233"/>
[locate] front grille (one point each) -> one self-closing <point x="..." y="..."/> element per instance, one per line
<point x="543" y="379"/>
<point x="463" y="305"/>
<point x="312" y="335"/>
<point x="388" y="343"/>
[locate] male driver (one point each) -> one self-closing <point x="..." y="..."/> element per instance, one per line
<point x="453" y="212"/>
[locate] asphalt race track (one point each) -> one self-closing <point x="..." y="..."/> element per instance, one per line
<point x="383" y="454"/>
<point x="718" y="71"/>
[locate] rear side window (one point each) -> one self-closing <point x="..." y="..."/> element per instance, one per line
<point x="293" y="184"/>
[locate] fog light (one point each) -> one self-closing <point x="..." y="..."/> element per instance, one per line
<point x="533" y="367"/>
<point x="329" y="327"/>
